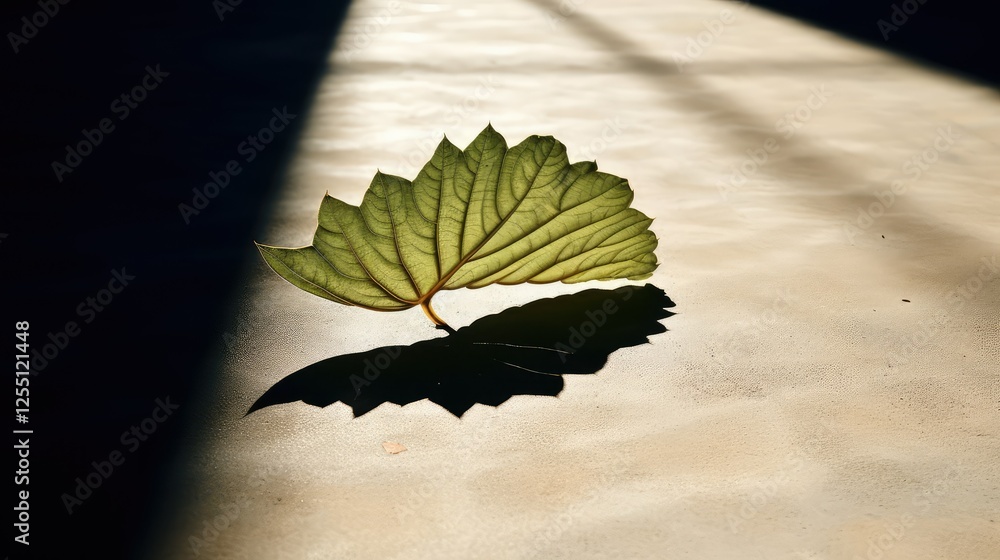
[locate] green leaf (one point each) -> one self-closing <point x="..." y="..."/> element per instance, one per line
<point x="485" y="215"/>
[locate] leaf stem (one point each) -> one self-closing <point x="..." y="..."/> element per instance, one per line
<point x="438" y="321"/>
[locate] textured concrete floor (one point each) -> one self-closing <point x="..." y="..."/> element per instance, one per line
<point x="798" y="407"/>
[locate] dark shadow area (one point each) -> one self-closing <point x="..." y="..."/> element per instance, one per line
<point x="959" y="35"/>
<point x="200" y="78"/>
<point x="521" y="351"/>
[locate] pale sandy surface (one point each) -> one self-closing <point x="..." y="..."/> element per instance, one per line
<point x="797" y="408"/>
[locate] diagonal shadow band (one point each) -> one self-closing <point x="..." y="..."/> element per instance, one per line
<point x="520" y="351"/>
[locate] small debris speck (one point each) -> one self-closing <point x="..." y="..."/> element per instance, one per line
<point x="393" y="447"/>
<point x="906" y="300"/>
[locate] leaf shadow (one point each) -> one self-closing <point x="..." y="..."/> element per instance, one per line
<point x="520" y="351"/>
